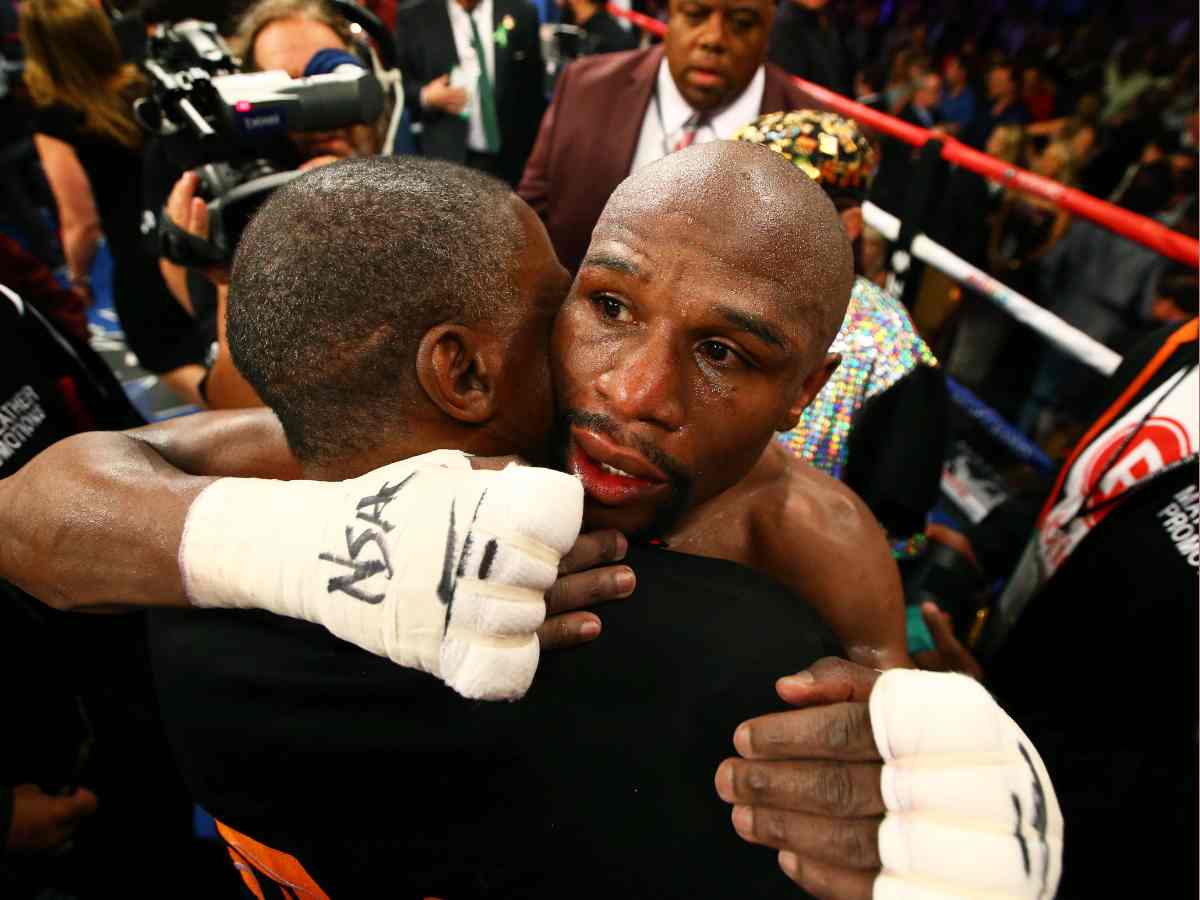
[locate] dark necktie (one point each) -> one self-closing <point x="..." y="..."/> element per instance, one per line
<point x="487" y="100"/>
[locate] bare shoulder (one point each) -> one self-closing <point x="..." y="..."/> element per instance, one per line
<point x="804" y="502"/>
<point x="818" y="537"/>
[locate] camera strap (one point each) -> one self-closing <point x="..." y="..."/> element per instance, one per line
<point x="183" y="248"/>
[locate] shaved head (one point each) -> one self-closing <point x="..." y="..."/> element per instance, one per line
<point x="757" y="212"/>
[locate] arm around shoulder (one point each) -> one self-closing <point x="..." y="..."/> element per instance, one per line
<point x="825" y="544"/>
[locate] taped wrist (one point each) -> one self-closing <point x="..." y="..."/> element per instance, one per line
<point x="426" y="562"/>
<point x="970" y="806"/>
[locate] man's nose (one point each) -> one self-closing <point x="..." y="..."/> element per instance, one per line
<point x="713" y="36"/>
<point x="644" y="384"/>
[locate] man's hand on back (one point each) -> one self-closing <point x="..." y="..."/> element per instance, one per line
<point x="903" y="785"/>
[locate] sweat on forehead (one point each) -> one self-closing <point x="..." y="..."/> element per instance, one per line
<point x="752" y="206"/>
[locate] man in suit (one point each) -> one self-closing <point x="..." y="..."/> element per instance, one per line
<point x="615" y="113"/>
<point x="473" y="80"/>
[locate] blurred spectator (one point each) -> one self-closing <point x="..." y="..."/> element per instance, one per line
<point x="958" y="105"/>
<point x="604" y="33"/>
<point x="907" y="68"/>
<point x="1028" y="226"/>
<point x="1004" y="107"/>
<point x="923" y="105"/>
<point x="805" y="42"/>
<point x="89" y="144"/>
<point x="473" y="80"/>
<point x="1126" y="77"/>
<point x="868" y="86"/>
<point x="1037" y="92"/>
<point x="1101" y="283"/>
<point x="865" y="39"/>
<point x="708" y="79"/>
<point x="965" y="226"/>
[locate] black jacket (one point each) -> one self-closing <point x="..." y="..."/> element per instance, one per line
<point x="425" y="44"/>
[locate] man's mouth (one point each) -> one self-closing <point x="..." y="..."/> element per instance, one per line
<point x="612" y="475"/>
<point x="705" y="78"/>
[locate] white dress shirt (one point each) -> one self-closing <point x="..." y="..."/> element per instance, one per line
<point x="658" y="136"/>
<point x="468" y="60"/>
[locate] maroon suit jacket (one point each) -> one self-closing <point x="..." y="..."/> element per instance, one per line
<point x="590" y="132"/>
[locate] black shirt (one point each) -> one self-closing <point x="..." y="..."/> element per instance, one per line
<point x="1100" y="669"/>
<point x="598" y="784"/>
<point x="158" y="330"/>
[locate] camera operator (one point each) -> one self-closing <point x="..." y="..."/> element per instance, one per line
<point x="285" y="35"/>
<point x="89" y="145"/>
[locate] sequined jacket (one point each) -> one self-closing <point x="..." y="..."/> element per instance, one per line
<point x="879" y="424"/>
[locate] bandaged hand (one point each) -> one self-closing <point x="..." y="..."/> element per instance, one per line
<point x="427" y="562"/>
<point x="902" y="786"/>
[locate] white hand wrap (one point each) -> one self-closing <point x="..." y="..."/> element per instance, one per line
<point x="427" y="562"/>
<point x="971" y="810"/>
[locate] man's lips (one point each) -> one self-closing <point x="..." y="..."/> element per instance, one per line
<point x="705" y="78"/>
<point x="611" y="474"/>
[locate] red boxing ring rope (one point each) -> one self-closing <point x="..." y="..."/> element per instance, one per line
<point x="1137" y="228"/>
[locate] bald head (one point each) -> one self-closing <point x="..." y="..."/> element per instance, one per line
<point x="756" y="212"/>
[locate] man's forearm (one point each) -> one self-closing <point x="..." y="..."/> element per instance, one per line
<point x="94" y="522"/>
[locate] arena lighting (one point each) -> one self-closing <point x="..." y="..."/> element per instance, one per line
<point x="1137" y="228"/>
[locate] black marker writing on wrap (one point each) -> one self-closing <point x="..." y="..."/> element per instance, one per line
<point x="451" y="572"/>
<point x="1040" y="816"/>
<point x="370" y="510"/>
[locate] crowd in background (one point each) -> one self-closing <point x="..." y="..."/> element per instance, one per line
<point x="1100" y="97"/>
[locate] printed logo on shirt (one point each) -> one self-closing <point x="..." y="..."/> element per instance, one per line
<point x="1181" y="522"/>
<point x="19" y="419"/>
<point x="1130" y="450"/>
<point x="1157" y="444"/>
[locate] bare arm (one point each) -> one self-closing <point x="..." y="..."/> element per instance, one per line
<point x="95" y="521"/>
<point x="826" y="546"/>
<point x="76" y="206"/>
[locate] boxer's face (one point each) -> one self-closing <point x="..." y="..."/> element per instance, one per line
<point x="675" y="359"/>
<point x="714" y="47"/>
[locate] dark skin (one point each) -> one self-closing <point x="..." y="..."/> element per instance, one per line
<point x="119" y="548"/>
<point x="679" y="325"/>
<point x="714" y="47"/>
<point x="807" y="781"/>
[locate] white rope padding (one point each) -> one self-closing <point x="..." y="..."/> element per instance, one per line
<point x="1066" y="337"/>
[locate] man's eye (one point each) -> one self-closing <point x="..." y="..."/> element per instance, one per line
<point x="721" y="354"/>
<point x="611" y="309"/>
